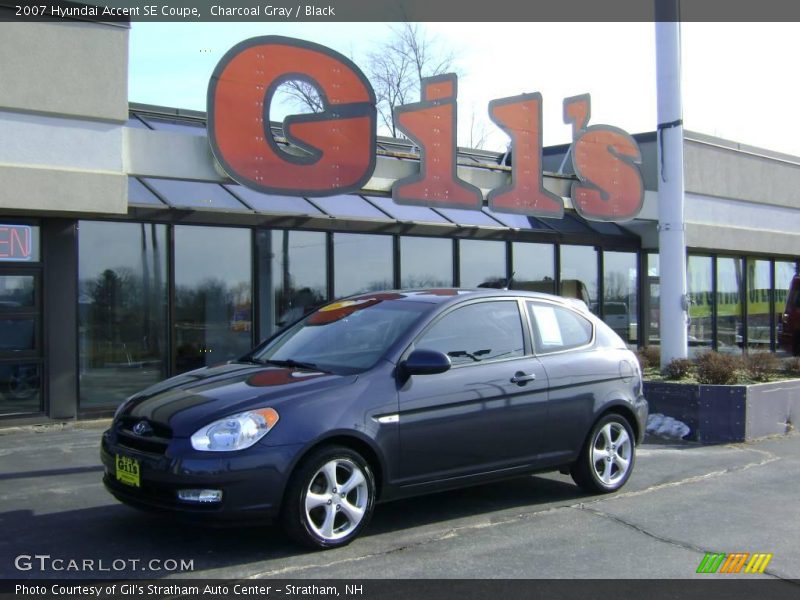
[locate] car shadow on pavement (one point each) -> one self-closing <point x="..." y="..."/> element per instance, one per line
<point x="122" y="541"/>
<point x="529" y="492"/>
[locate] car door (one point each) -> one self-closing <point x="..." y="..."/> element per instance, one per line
<point x="486" y="412"/>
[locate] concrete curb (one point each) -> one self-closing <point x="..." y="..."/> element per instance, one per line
<point x="58" y="426"/>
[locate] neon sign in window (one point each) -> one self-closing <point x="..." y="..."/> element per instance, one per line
<point x="16" y="243"/>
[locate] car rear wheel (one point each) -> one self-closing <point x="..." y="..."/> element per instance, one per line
<point x="607" y="458"/>
<point x="330" y="498"/>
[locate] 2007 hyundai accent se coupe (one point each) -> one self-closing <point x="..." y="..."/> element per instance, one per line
<point x="382" y="396"/>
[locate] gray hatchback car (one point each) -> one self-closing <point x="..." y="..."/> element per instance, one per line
<point x="382" y="396"/>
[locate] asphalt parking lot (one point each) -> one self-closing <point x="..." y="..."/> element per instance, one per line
<point x="682" y="501"/>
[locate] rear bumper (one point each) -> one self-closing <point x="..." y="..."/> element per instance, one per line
<point x="252" y="481"/>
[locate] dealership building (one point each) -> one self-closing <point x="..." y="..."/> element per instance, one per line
<point x="127" y="255"/>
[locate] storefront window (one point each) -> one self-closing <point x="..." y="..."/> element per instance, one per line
<point x="579" y="274"/>
<point x="784" y="272"/>
<point x="426" y="262"/>
<point x="729" y="304"/>
<point x="620" y="305"/>
<point x="16" y="291"/>
<point x="701" y="301"/>
<point x="482" y="263"/>
<point x="652" y="301"/>
<point x="533" y="267"/>
<point x="759" y="293"/>
<point x="297" y="279"/>
<point x="213" y="295"/>
<point x="362" y="263"/>
<point x="122" y="309"/>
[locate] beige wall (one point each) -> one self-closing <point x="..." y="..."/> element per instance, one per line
<point x="68" y="68"/>
<point x="63" y="105"/>
<point x="739" y="198"/>
<point x="715" y="169"/>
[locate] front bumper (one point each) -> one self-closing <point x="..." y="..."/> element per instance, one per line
<point x="252" y="481"/>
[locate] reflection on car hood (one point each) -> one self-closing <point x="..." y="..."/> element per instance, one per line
<point x="189" y="401"/>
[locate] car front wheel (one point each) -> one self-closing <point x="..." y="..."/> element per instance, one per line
<point x="330" y="498"/>
<point x="607" y="458"/>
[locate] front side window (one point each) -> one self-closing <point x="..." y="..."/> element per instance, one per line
<point x="558" y="328"/>
<point x="477" y="332"/>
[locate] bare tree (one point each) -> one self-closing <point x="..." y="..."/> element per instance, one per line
<point x="478" y="134"/>
<point x="302" y="95"/>
<point x="397" y="66"/>
<point x="395" y="69"/>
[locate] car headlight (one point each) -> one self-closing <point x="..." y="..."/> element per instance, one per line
<point x="235" y="432"/>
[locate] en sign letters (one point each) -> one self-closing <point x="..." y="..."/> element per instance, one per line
<point x="15" y="242"/>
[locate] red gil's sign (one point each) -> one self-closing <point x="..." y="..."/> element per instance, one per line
<point x="15" y="242"/>
<point x="340" y="141"/>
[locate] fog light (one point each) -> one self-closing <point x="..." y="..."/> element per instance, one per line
<point x="200" y="495"/>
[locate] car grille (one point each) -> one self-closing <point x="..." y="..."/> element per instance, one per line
<point x="151" y="443"/>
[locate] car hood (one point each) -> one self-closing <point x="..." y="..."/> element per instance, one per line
<point x="187" y="402"/>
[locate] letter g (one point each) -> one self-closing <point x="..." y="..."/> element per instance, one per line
<point x="339" y="142"/>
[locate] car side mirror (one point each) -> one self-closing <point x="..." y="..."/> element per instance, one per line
<point x="426" y="362"/>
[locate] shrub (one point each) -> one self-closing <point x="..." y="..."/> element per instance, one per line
<point x="761" y="365"/>
<point x="649" y="357"/>
<point x="678" y="368"/>
<point x="717" y="369"/>
<point x="792" y="366"/>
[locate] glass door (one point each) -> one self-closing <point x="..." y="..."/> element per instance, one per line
<point x="20" y="341"/>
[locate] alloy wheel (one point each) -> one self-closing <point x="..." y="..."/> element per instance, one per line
<point x="611" y="453"/>
<point x="336" y="499"/>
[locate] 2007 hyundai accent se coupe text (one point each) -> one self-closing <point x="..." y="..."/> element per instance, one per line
<point x="382" y="396"/>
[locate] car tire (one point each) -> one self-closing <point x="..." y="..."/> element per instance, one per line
<point x="607" y="458"/>
<point x="329" y="499"/>
<point x="796" y="346"/>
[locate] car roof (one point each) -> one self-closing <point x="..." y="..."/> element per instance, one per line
<point x="453" y="295"/>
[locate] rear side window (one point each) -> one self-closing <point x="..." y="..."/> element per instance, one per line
<point x="558" y="328"/>
<point x="477" y="333"/>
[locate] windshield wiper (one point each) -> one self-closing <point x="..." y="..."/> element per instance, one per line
<point x="296" y="364"/>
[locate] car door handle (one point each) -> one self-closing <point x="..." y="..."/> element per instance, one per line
<point x="521" y="378"/>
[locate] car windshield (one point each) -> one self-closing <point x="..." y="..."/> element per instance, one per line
<point x="343" y="337"/>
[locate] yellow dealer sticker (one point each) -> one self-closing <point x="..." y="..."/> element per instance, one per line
<point x="128" y="470"/>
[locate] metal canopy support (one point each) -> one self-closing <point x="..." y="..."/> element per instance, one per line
<point x="671" y="227"/>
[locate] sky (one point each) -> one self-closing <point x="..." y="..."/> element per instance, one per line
<point x="738" y="78"/>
